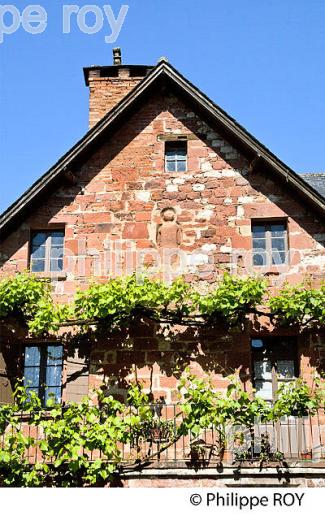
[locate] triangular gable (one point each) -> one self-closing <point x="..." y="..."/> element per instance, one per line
<point x="163" y="72"/>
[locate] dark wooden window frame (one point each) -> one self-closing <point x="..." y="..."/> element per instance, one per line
<point x="43" y="346"/>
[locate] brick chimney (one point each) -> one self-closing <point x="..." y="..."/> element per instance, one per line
<point x="109" y="84"/>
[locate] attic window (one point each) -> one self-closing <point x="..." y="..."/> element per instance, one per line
<point x="47" y="251"/>
<point x="176" y="156"/>
<point x="270" y="243"/>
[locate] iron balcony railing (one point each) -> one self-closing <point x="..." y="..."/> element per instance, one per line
<point x="157" y="441"/>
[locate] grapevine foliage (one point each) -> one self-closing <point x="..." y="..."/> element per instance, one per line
<point x="81" y="444"/>
<point x="28" y="299"/>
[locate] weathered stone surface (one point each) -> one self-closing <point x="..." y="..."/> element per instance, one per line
<point x="113" y="213"/>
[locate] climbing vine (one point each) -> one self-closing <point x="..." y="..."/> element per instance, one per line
<point x="299" y="305"/>
<point x="82" y="444"/>
<point x="116" y="302"/>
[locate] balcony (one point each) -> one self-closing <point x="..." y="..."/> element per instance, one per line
<point x="157" y="443"/>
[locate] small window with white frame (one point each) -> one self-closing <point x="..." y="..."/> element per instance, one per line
<point x="46" y="253"/>
<point x="270" y="243"/>
<point x="176" y="156"/>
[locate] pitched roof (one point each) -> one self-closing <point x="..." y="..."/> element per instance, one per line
<point x="316" y="180"/>
<point x="162" y="74"/>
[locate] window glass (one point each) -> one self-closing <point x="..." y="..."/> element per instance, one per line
<point x="263" y="369"/>
<point x="278" y="230"/>
<point x="47" y="251"/>
<point x="32" y="378"/>
<point x="264" y="389"/>
<point x="259" y="231"/>
<point x="286" y="369"/>
<point x="259" y="259"/>
<point x="176" y="156"/>
<point x="39" y="239"/>
<point x="43" y="371"/>
<point x="274" y="361"/>
<point x="32" y="356"/>
<point x="269" y="244"/>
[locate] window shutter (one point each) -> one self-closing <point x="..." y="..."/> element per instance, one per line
<point x="77" y="376"/>
<point x="6" y="392"/>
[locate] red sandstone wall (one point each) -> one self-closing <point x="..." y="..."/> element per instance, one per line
<point x="123" y="187"/>
<point x="117" y="202"/>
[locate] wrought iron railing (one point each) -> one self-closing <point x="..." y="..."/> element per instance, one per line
<point x="157" y="440"/>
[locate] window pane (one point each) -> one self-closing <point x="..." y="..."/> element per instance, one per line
<point x="56" y="264"/>
<point x="278" y="257"/>
<point x="31" y="376"/>
<point x="54" y="355"/>
<point x="258" y="231"/>
<point x="53" y="376"/>
<point x="181" y="166"/>
<point x="181" y="154"/>
<point x="259" y="243"/>
<point x="259" y="259"/>
<point x="32" y="356"/>
<point x="38" y="251"/>
<point x="263" y="369"/>
<point x="37" y="266"/>
<point x="57" y="238"/>
<point x="278" y="243"/>
<point x="171" y="155"/>
<point x="52" y="393"/>
<point x="39" y="239"/>
<point x="171" y="166"/>
<point x="286" y="368"/>
<point x="278" y="230"/>
<point x="264" y="389"/>
<point x="56" y="252"/>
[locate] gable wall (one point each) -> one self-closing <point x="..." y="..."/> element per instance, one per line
<point x="116" y="207"/>
<point x="123" y="188"/>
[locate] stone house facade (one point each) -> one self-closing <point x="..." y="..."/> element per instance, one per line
<point x="107" y="197"/>
<point x="162" y="165"/>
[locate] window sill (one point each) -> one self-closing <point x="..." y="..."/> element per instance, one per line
<point x="275" y="270"/>
<point x="53" y="276"/>
<point x="177" y="172"/>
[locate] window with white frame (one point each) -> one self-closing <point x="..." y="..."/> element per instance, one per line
<point x="46" y="252"/>
<point x="270" y="243"/>
<point x="274" y="361"/>
<point x="176" y="156"/>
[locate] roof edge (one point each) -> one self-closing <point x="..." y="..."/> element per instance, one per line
<point x="163" y="68"/>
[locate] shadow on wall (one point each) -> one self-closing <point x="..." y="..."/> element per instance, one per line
<point x="149" y="350"/>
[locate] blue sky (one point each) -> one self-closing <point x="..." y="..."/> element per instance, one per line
<point x="260" y="60"/>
